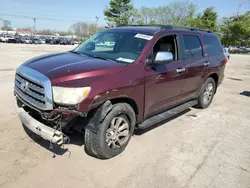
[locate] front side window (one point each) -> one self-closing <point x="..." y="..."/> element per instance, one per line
<point x="166" y="44"/>
<point x="121" y="46"/>
<point x="193" y="48"/>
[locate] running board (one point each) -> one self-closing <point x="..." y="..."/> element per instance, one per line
<point x="166" y="115"/>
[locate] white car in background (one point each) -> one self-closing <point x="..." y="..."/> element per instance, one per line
<point x="226" y="53"/>
<point x="5" y="38"/>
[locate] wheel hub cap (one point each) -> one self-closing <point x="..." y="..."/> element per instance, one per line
<point x="208" y="93"/>
<point x="118" y="132"/>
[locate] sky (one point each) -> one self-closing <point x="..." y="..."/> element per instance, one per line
<point x="63" y="13"/>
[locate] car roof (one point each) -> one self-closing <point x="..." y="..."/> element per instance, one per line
<point x="151" y="30"/>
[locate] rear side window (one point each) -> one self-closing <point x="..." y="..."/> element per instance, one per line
<point x="213" y="45"/>
<point x="193" y="47"/>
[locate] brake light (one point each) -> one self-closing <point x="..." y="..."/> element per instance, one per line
<point x="225" y="60"/>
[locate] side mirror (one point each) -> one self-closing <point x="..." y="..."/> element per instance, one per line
<point x="163" y="58"/>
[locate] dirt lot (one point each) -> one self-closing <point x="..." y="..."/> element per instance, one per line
<point x="201" y="148"/>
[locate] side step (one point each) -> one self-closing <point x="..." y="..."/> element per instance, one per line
<point x="166" y="115"/>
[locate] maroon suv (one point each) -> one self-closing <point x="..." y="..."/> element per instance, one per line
<point x="119" y="79"/>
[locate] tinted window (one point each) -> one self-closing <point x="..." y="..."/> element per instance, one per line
<point x="193" y="47"/>
<point x="213" y="45"/>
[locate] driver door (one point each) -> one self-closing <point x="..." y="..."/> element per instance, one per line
<point x="163" y="84"/>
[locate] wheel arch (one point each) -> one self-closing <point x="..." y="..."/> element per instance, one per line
<point x="215" y="76"/>
<point x="121" y="99"/>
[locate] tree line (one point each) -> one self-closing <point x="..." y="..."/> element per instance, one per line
<point x="234" y="30"/>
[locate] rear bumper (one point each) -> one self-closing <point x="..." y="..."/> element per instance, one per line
<point x="40" y="129"/>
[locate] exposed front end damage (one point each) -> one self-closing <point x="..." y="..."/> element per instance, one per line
<point x="50" y="125"/>
<point x="46" y="132"/>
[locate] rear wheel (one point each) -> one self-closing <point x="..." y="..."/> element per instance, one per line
<point x="207" y="93"/>
<point x="113" y="134"/>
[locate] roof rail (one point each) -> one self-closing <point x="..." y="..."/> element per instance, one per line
<point x="141" y="25"/>
<point x="185" y="28"/>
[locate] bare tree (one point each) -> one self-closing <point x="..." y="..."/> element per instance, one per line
<point x="241" y="4"/>
<point x="175" y="13"/>
<point x="83" y="29"/>
<point x="6" y="25"/>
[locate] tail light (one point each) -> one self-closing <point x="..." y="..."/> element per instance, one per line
<point x="225" y="60"/>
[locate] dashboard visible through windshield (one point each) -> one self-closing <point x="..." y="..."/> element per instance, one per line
<point x="121" y="46"/>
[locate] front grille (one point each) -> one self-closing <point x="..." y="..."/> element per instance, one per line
<point x="34" y="88"/>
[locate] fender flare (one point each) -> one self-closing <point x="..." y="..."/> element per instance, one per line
<point x="99" y="115"/>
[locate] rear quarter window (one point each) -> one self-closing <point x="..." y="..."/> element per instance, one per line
<point x="213" y="45"/>
<point x="193" y="48"/>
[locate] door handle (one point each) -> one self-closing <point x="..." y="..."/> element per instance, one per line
<point x="207" y="63"/>
<point x="180" y="70"/>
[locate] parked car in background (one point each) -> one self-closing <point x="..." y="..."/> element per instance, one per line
<point x="36" y="41"/>
<point x="238" y="49"/>
<point x="42" y="41"/>
<point x="146" y="75"/>
<point x="19" y="40"/>
<point x="12" y="40"/>
<point x="5" y="38"/>
<point x="27" y="40"/>
<point x="49" y="41"/>
<point x="226" y="53"/>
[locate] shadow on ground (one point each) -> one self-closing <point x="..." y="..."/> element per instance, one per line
<point x="143" y="131"/>
<point x="235" y="79"/>
<point x="78" y="138"/>
<point x="75" y="139"/>
<point x="245" y="93"/>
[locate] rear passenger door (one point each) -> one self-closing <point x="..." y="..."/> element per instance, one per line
<point x="214" y="53"/>
<point x="194" y="63"/>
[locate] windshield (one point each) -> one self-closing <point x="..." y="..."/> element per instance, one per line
<point x="121" y="46"/>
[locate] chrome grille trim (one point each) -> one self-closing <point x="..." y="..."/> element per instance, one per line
<point x="37" y="91"/>
<point x="29" y="99"/>
<point x="31" y="85"/>
<point x="30" y="92"/>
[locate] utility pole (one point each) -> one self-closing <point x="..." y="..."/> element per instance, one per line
<point x="97" y="20"/>
<point x="34" y="25"/>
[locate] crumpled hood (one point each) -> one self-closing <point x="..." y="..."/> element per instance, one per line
<point x="65" y="66"/>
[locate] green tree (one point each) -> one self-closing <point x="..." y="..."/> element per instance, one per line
<point x="206" y="20"/>
<point x="236" y="30"/>
<point x="119" y="12"/>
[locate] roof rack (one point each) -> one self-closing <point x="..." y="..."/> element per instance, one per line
<point x="141" y="25"/>
<point x="168" y="27"/>
<point x="186" y="28"/>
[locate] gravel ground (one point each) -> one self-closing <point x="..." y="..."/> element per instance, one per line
<point x="200" y="148"/>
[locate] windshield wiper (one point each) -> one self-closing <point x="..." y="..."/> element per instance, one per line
<point x="74" y="52"/>
<point x="94" y="56"/>
<point x="103" y="58"/>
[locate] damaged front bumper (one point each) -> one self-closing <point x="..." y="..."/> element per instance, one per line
<point x="46" y="132"/>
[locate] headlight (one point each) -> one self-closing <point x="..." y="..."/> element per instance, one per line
<point x="70" y="96"/>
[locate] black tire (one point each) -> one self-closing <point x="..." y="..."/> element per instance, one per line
<point x="201" y="103"/>
<point x="95" y="142"/>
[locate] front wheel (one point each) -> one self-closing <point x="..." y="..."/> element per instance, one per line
<point x="207" y="93"/>
<point x="113" y="134"/>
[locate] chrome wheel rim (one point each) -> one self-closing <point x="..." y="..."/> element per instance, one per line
<point x="117" y="133"/>
<point x="208" y="93"/>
